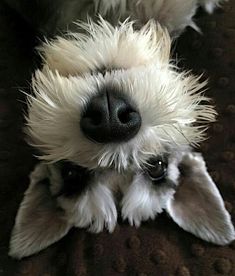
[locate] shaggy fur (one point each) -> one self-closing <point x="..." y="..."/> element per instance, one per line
<point x="170" y="102"/>
<point x="134" y="61"/>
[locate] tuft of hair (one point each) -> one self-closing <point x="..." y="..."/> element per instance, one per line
<point x="101" y="45"/>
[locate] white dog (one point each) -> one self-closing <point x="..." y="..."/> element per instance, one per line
<point x="111" y="113"/>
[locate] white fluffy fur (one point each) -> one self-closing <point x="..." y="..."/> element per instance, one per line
<point x="107" y="46"/>
<point x="171" y="103"/>
<point x="95" y="208"/>
<point x="143" y="201"/>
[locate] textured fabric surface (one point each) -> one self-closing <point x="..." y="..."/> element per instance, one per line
<point x="159" y="247"/>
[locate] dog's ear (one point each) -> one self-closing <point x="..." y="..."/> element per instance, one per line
<point x="39" y="222"/>
<point x="197" y="205"/>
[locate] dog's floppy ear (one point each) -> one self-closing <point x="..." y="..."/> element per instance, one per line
<point x="39" y="222"/>
<point x="197" y="205"/>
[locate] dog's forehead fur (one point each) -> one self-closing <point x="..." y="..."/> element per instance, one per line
<point x="169" y="102"/>
<point x="106" y="46"/>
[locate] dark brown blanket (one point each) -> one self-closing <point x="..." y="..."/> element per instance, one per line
<point x="157" y="248"/>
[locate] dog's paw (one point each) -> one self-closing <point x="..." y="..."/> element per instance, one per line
<point x="94" y="209"/>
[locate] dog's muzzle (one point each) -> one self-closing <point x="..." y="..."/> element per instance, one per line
<point x="110" y="117"/>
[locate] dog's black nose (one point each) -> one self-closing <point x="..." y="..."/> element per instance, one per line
<point x="109" y="117"/>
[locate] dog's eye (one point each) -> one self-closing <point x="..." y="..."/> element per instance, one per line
<point x="156" y="169"/>
<point x="75" y="178"/>
<point x="70" y="171"/>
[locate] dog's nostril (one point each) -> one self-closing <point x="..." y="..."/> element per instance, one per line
<point x="94" y="117"/>
<point x="110" y="117"/>
<point x="125" y="115"/>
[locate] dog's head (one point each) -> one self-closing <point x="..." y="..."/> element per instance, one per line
<point x="109" y="100"/>
<point x="110" y="97"/>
